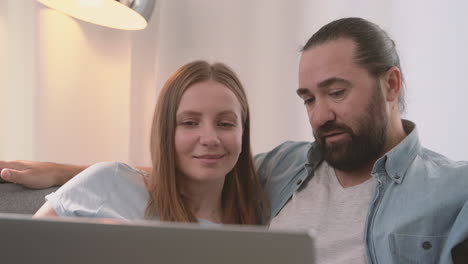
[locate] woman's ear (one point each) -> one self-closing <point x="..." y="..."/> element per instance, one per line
<point x="392" y="84"/>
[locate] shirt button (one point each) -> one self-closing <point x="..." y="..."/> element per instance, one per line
<point x="426" y="245"/>
<point x="299" y="182"/>
<point x="397" y="177"/>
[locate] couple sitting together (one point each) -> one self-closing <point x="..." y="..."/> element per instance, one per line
<point x="366" y="188"/>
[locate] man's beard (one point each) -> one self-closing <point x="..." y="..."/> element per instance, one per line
<point x="362" y="146"/>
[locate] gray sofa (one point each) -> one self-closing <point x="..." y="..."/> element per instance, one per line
<point x="17" y="199"/>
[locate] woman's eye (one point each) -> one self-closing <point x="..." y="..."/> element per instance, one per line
<point x="189" y="123"/>
<point x="225" y="124"/>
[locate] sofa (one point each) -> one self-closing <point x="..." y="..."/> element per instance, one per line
<point x="17" y="199"/>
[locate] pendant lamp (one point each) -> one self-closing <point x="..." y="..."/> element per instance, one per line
<point x="120" y="14"/>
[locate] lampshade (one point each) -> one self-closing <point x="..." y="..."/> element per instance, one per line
<point x="121" y="14"/>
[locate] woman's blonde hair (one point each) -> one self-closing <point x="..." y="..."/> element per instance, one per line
<point x="243" y="200"/>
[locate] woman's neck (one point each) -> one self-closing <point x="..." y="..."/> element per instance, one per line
<point x="204" y="199"/>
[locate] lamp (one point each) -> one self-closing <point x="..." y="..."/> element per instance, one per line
<point x="120" y="14"/>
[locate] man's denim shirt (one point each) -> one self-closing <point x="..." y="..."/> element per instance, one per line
<point x="419" y="210"/>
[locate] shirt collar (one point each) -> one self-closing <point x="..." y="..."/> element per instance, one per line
<point x="314" y="158"/>
<point x="395" y="162"/>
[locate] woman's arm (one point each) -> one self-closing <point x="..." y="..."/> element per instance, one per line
<point x="46" y="210"/>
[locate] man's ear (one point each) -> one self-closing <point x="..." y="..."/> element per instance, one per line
<point x="391" y="83"/>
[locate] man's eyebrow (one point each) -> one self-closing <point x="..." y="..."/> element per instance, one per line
<point x="323" y="84"/>
<point x="333" y="80"/>
<point x="302" y="91"/>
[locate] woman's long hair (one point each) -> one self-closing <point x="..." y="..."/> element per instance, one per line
<point x="243" y="200"/>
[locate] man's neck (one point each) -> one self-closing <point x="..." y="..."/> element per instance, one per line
<point x="395" y="134"/>
<point x="353" y="178"/>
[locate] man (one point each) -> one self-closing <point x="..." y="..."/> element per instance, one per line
<point x="365" y="188"/>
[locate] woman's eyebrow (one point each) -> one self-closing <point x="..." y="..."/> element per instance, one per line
<point x="189" y="113"/>
<point x="227" y="112"/>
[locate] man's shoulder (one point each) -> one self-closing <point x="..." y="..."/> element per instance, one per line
<point x="289" y="153"/>
<point x="280" y="169"/>
<point x="284" y="161"/>
<point x="438" y="175"/>
<point x="436" y="163"/>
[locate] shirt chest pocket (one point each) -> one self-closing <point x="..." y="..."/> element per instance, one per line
<point x="416" y="249"/>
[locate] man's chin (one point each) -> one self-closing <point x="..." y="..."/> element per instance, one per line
<point x="340" y="158"/>
<point x="337" y="148"/>
<point x="334" y="158"/>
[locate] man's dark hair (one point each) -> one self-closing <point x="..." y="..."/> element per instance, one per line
<point x="375" y="51"/>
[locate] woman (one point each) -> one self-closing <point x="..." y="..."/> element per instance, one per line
<point x="202" y="163"/>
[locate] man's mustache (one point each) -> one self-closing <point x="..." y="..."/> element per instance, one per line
<point x="330" y="127"/>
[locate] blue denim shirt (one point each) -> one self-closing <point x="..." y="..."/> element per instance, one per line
<point x="419" y="211"/>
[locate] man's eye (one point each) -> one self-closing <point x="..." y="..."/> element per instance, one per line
<point x="309" y="101"/>
<point x="337" y="94"/>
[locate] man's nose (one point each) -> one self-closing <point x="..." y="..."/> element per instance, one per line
<point x="320" y="114"/>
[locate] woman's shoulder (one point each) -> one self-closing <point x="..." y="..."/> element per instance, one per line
<point x="113" y="167"/>
<point x="103" y="178"/>
<point x="105" y="189"/>
<point x="112" y="171"/>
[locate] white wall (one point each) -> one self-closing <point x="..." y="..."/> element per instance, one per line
<point x="67" y="91"/>
<point x="435" y="60"/>
<point x="17" y="87"/>
<point x="3" y="68"/>
<point x="143" y="88"/>
<point x="94" y="88"/>
<point x="83" y="90"/>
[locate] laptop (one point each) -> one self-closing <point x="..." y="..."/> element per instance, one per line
<point x="27" y="240"/>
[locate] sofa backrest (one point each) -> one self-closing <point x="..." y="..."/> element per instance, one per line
<point x="17" y="199"/>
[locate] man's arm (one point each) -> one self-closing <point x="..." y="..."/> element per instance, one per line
<point x="457" y="238"/>
<point x="38" y="175"/>
<point x="41" y="175"/>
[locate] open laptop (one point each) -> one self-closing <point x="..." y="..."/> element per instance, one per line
<point x="27" y="240"/>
